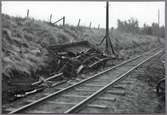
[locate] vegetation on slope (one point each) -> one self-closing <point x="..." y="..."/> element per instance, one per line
<point x="25" y="42"/>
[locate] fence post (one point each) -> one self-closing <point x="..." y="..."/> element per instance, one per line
<point x="90" y="25"/>
<point x="79" y="22"/>
<point x="98" y="26"/>
<point x="158" y="27"/>
<point x="50" y="18"/>
<point x="112" y="28"/>
<point x="63" y="20"/>
<point x="28" y="13"/>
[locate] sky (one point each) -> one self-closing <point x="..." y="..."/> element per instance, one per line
<point x="144" y="12"/>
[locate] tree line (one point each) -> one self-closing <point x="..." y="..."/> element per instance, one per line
<point x="132" y="26"/>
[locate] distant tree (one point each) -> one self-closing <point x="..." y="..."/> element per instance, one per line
<point x="146" y="29"/>
<point x="130" y="25"/>
<point x="154" y="30"/>
<point x="162" y="31"/>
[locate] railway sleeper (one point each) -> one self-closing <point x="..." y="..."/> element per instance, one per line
<point x="100" y="82"/>
<point x="85" y="90"/>
<point x="127" y="82"/>
<point x="40" y="111"/>
<point x="92" y="85"/>
<point x="59" y="83"/>
<point x="100" y="98"/>
<point x="118" y="87"/>
<point x="89" y="105"/>
<point x="79" y="89"/>
<point x="115" y="92"/>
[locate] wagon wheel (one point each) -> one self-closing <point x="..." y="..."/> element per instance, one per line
<point x="160" y="88"/>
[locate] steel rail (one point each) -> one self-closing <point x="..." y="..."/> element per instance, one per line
<point x="76" y="108"/>
<point x="81" y="82"/>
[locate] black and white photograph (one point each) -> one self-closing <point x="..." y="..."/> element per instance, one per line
<point x="83" y="57"/>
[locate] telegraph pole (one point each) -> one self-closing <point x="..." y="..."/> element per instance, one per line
<point x="107" y="27"/>
<point x="107" y="37"/>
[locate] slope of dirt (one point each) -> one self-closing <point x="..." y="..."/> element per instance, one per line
<point x="25" y="41"/>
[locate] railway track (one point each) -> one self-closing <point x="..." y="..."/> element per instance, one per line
<point x="73" y="98"/>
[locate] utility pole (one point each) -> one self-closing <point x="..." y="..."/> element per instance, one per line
<point x="107" y="37"/>
<point x="107" y="27"/>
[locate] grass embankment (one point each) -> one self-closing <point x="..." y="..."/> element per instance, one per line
<point x="25" y="56"/>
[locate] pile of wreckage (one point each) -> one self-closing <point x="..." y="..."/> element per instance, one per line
<point x="78" y="57"/>
<point x="69" y="60"/>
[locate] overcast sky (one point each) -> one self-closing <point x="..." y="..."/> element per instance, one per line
<point x="145" y="12"/>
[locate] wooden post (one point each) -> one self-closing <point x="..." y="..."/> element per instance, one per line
<point x="98" y="26"/>
<point x="79" y="22"/>
<point x="63" y="20"/>
<point x="112" y="28"/>
<point x="158" y="27"/>
<point x="90" y="25"/>
<point x="28" y="13"/>
<point x="107" y="27"/>
<point x="50" y="18"/>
